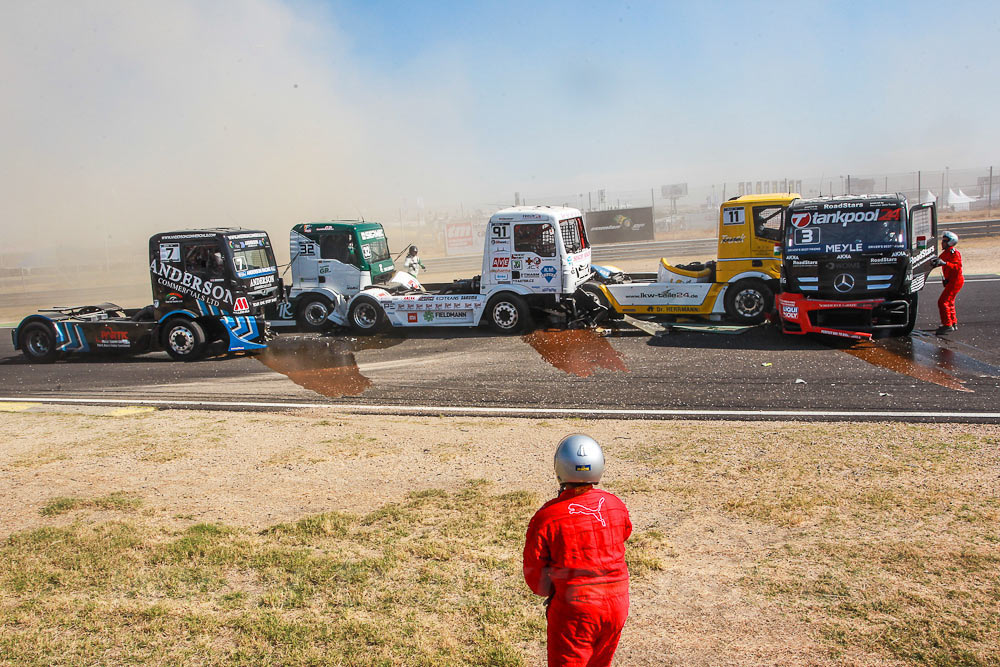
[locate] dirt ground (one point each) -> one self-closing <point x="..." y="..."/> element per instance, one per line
<point x="769" y="537"/>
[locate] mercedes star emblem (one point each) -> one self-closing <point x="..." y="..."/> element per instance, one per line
<point x="844" y="282"/>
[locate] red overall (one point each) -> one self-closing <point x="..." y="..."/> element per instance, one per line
<point x="574" y="553"/>
<point x="953" y="281"/>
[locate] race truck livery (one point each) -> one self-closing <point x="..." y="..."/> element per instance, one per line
<point x="209" y="290"/>
<point x="739" y="285"/>
<point x="330" y="263"/>
<point x="535" y="259"/>
<point x="853" y="265"/>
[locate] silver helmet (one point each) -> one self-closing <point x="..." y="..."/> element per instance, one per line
<point x="579" y="459"/>
<point x="949" y="239"/>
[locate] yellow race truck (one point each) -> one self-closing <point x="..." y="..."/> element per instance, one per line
<point x="739" y="285"/>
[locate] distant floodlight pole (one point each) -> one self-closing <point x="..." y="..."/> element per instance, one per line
<point x="989" y="202"/>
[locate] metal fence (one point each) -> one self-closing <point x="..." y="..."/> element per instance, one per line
<point x="975" y="191"/>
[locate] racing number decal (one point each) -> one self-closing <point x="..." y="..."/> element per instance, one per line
<point x="733" y="216"/>
<point x="170" y="252"/>
<point x="806" y="236"/>
<point x="500" y="231"/>
<point x="307" y="249"/>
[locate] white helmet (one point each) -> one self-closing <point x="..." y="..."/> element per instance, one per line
<point x="579" y="459"/>
<point x="949" y="239"/>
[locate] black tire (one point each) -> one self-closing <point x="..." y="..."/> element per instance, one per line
<point x="508" y="314"/>
<point x="312" y="312"/>
<point x="38" y="343"/>
<point x="597" y="295"/>
<point x="911" y="321"/>
<point x="749" y="301"/>
<point x="366" y="316"/>
<point x="183" y="339"/>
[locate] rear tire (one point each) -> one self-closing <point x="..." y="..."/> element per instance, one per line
<point x="749" y="301"/>
<point x="312" y="313"/>
<point x="38" y="343"/>
<point x="508" y="314"/>
<point x="366" y="316"/>
<point x="183" y="339"/>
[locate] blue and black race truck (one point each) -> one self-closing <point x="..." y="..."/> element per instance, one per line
<point x="853" y="266"/>
<point x="210" y="287"/>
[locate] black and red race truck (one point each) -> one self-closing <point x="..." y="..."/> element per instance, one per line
<point x="209" y="290"/>
<point x="853" y="266"/>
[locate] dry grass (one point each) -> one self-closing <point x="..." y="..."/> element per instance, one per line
<point x="756" y="543"/>
<point x="432" y="580"/>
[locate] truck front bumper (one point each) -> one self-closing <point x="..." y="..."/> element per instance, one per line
<point x="846" y="319"/>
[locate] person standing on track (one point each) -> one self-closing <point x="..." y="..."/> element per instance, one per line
<point x="950" y="262"/>
<point x="574" y="555"/>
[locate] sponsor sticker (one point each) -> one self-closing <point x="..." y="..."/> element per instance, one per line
<point x="110" y="338"/>
<point x="411" y="317"/>
<point x="241" y="305"/>
<point x="370" y="234"/>
<point x="789" y="312"/>
<point x="548" y="272"/>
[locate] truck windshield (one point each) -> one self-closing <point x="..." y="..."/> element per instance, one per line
<point x="375" y="251"/>
<point x="572" y="235"/>
<point x="251" y="256"/>
<point x="857" y="230"/>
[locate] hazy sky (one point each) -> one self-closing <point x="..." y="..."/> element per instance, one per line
<point x="135" y="115"/>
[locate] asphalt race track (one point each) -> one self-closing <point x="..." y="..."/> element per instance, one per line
<point x="758" y="373"/>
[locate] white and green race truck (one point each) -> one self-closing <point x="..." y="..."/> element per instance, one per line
<point x="330" y="263"/>
<point x="535" y="260"/>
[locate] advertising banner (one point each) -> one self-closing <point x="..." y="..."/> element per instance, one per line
<point x="459" y="239"/>
<point x="619" y="225"/>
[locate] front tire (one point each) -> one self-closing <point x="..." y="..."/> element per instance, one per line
<point x="366" y="316"/>
<point x="184" y="340"/>
<point x="312" y="313"/>
<point x="38" y="343"/>
<point x="749" y="301"/>
<point x="594" y="292"/>
<point x="911" y="321"/>
<point x="508" y="314"/>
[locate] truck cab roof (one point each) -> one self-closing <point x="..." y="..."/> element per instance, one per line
<point x="766" y="197"/>
<point x="205" y="233"/>
<point x="519" y="213"/>
<point x="334" y="226"/>
<point x="860" y="201"/>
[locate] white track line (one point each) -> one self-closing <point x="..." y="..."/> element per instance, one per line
<point x="445" y="409"/>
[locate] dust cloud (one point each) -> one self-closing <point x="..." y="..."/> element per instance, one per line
<point x="120" y="119"/>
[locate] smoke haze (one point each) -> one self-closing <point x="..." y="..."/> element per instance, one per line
<point x="119" y="119"/>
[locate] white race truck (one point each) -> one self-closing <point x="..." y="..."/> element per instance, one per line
<point x="535" y="259"/>
<point x="330" y="263"/>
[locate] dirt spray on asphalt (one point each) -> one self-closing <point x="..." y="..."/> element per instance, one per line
<point x="324" y="365"/>
<point x="579" y="352"/>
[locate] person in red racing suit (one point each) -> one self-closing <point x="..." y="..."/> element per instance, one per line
<point x="950" y="262"/>
<point x="574" y="554"/>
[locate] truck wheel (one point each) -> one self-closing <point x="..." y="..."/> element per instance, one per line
<point x="507" y="313"/>
<point x="38" y="343"/>
<point x="911" y="321"/>
<point x="749" y="301"/>
<point x="366" y="316"/>
<point x="184" y="340"/>
<point x="597" y="295"/>
<point x="312" y="313"/>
